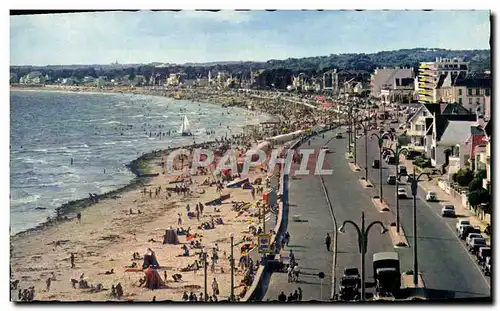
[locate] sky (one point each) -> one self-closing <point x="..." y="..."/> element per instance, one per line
<point x="192" y="36"/>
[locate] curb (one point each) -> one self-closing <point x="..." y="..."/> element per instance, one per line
<point x="382" y="207"/>
<point x="407" y="281"/>
<point x="354" y="168"/>
<point x="365" y="183"/>
<point x="398" y="238"/>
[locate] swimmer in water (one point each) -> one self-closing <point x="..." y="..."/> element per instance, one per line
<point x="71" y="161"/>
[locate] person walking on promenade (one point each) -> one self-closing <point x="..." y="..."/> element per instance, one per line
<point x="300" y="294"/>
<point x="289" y="273"/>
<point x="328" y="241"/>
<point x="296" y="272"/>
<point x="287" y="238"/>
<point x="282" y="297"/>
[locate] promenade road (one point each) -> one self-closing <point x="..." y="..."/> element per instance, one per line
<point x="306" y="198"/>
<point x="445" y="264"/>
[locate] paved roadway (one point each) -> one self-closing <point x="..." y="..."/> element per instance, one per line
<point x="447" y="268"/>
<point x="349" y="199"/>
<point x="306" y="198"/>
<point x="444" y="262"/>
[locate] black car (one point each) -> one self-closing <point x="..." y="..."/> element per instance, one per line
<point x="391" y="180"/>
<point x="469" y="229"/>
<point x="376" y="164"/>
<point x="391" y="160"/>
<point x="351" y="272"/>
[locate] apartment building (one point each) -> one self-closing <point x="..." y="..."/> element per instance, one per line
<point x="429" y="74"/>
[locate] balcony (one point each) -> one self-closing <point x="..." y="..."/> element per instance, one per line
<point x="411" y="132"/>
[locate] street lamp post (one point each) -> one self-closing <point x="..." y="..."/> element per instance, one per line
<point x="232" y="268"/>
<point x="205" y="290"/>
<point x="363" y="243"/>
<point x="380" y="140"/>
<point x="397" y="153"/>
<point x="414" y="189"/>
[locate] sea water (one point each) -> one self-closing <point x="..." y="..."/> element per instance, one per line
<point x="101" y="133"/>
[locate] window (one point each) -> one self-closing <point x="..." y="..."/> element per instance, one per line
<point x="460" y="100"/>
<point x="460" y="92"/>
<point x="477" y="92"/>
<point x="487" y="92"/>
<point x="469" y="92"/>
<point x="470" y="101"/>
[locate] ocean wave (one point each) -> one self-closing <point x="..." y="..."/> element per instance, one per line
<point x="78" y="146"/>
<point x="25" y="200"/>
<point x="32" y="161"/>
<point x="137" y="116"/>
<point x="113" y="122"/>
<point x="95" y="120"/>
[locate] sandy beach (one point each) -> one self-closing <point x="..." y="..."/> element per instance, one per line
<point x="108" y="235"/>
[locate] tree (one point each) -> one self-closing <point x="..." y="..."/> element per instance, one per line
<point x="475" y="184"/>
<point x="481" y="174"/>
<point x="463" y="177"/>
<point x="478" y="197"/>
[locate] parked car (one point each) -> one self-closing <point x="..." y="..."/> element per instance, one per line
<point x="327" y="150"/>
<point x="391" y="160"/>
<point x="461" y="223"/>
<point x="431" y="196"/>
<point x="402" y="171"/>
<point x="487" y="266"/>
<point x="448" y="211"/>
<point x="376" y="164"/>
<point x="402" y="194"/>
<point x="351" y="272"/>
<point x="471" y="236"/>
<point x="391" y="180"/>
<point x="412" y="154"/>
<point x="476" y="244"/>
<point x="339" y="136"/>
<point x="468" y="229"/>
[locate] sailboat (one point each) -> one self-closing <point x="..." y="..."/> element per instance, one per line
<point x="185" y="131"/>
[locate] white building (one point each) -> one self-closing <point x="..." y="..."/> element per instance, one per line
<point x="388" y="78"/>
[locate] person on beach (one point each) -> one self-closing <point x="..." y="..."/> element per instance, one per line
<point x="215" y="287"/>
<point x="79" y="217"/>
<point x="328" y="241"/>
<point x="300" y="294"/>
<point x="72" y="259"/>
<point x="179" y="220"/>
<point x="49" y="280"/>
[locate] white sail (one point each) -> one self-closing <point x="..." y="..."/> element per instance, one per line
<point x="185" y="126"/>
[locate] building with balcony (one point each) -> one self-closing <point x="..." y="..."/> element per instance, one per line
<point x="429" y="74"/>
